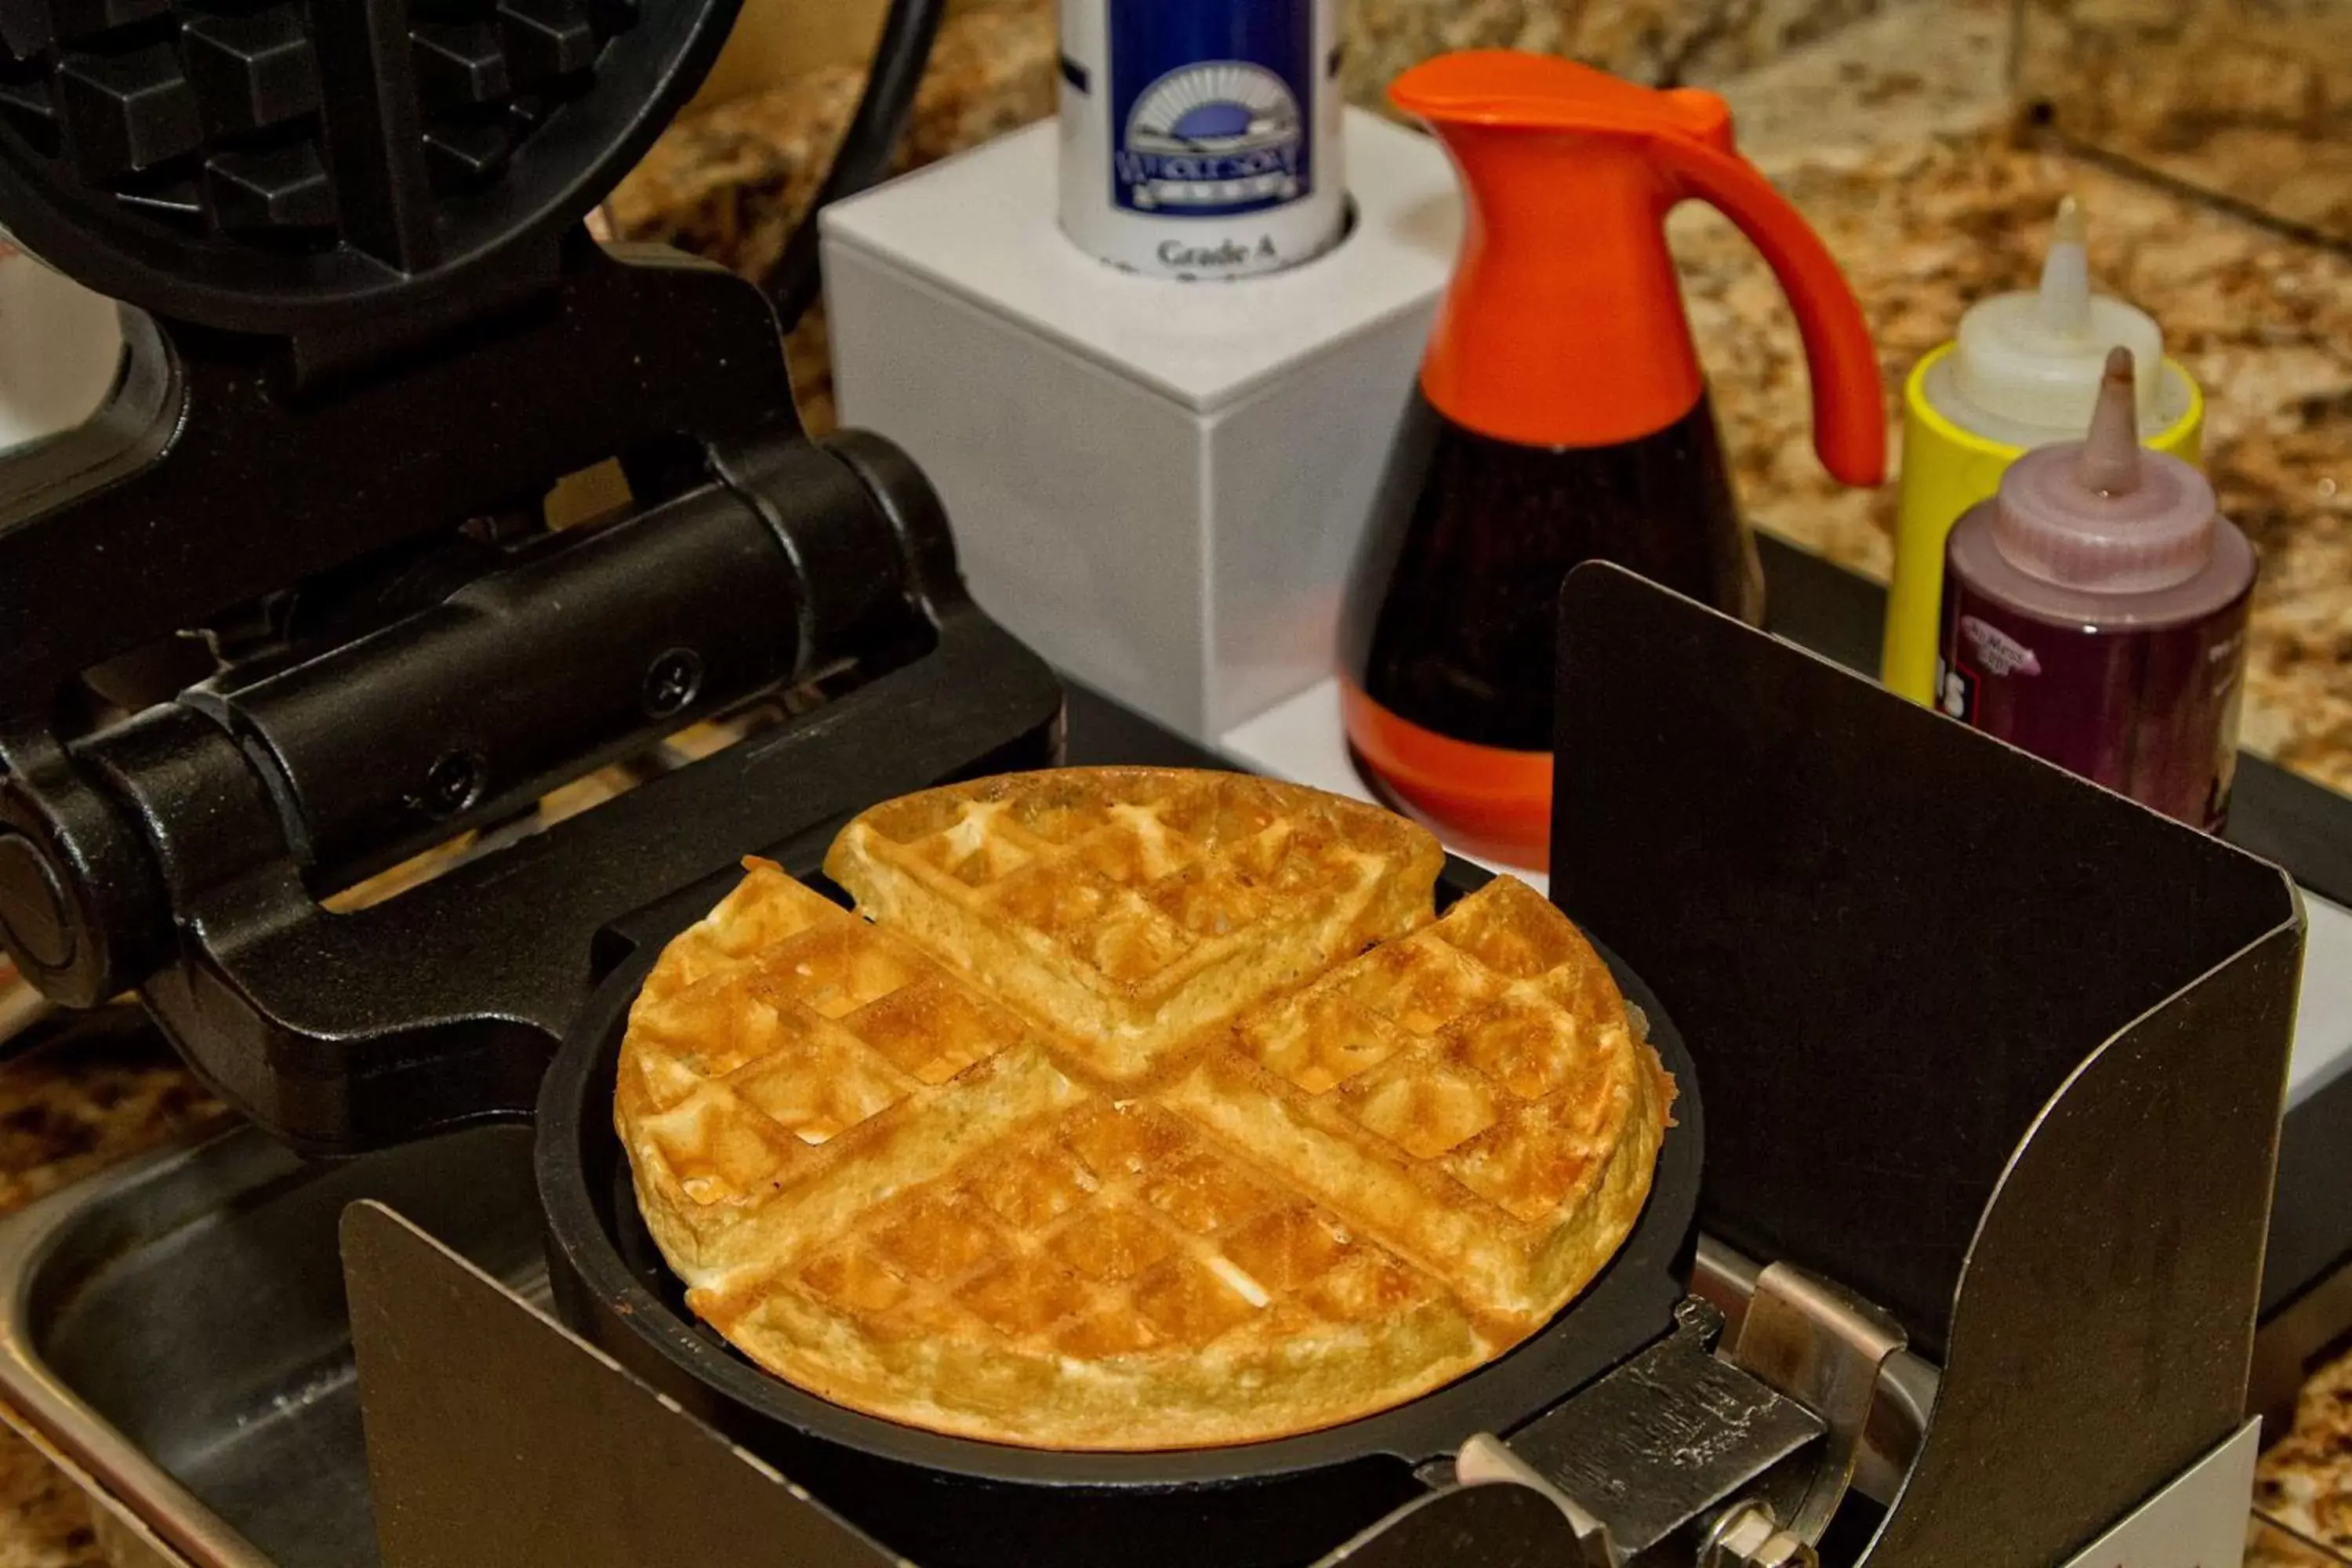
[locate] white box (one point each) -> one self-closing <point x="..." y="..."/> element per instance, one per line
<point x="1158" y="485"/>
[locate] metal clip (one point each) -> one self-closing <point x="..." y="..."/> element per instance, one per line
<point x="1823" y="1347"/>
<point x="1643" y="1461"/>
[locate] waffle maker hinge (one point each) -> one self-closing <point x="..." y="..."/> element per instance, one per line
<point x="392" y="652"/>
<point x="287" y="610"/>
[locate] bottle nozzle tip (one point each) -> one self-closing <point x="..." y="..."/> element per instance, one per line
<point x="2066" y="275"/>
<point x="2110" y="461"/>
<point x="2068" y="227"/>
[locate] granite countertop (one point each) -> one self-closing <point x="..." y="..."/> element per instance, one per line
<point x="65" y="1113"/>
<point x="1890" y="132"/>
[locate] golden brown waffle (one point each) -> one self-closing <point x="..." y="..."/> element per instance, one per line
<point x="1107" y="1131"/>
<point x="1130" y="907"/>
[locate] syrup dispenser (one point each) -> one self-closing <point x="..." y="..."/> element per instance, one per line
<point x="1560" y="417"/>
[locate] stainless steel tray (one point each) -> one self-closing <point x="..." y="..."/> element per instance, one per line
<point x="175" y="1333"/>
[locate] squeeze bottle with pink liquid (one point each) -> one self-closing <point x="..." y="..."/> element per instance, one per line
<point x="2094" y="614"/>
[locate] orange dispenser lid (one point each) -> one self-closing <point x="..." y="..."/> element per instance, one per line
<point x="1564" y="323"/>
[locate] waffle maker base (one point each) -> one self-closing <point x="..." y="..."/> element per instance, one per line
<point x="953" y="1502"/>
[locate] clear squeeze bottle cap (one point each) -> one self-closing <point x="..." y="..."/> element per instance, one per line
<point x="2102" y="514"/>
<point x="2033" y="358"/>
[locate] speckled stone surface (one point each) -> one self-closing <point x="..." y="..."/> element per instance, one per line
<point x="2305" y="1480"/>
<point x="730" y="183"/>
<point x="67" y="1112"/>
<point x="2251" y="100"/>
<point x="1663" y="42"/>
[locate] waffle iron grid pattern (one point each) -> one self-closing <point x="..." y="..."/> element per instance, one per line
<point x="1112" y="1223"/>
<point x="1105" y="1233"/>
<point x="1151" y="887"/>
<point x="1101" y="1233"/>
<point x="209" y="121"/>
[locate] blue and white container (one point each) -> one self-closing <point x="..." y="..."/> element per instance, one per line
<point x="1200" y="138"/>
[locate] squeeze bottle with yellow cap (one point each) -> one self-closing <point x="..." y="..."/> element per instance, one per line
<point x="2023" y="372"/>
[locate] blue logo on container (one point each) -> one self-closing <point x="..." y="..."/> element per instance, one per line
<point x="1211" y="105"/>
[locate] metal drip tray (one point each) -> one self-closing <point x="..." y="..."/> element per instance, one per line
<point x="176" y="1331"/>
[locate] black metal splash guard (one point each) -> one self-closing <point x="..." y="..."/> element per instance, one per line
<point x="2000" y="1049"/>
<point x="1787" y="854"/>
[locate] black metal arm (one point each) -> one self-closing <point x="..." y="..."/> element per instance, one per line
<point x="184" y="848"/>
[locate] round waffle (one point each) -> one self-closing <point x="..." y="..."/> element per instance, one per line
<point x="1145" y="1109"/>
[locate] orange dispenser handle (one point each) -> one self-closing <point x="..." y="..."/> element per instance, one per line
<point x="1564" y="325"/>
<point x="1849" y="413"/>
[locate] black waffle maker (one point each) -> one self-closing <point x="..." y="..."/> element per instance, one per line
<point x="319" y="623"/>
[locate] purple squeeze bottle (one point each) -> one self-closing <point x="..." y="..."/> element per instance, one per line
<point x="2094" y="614"/>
